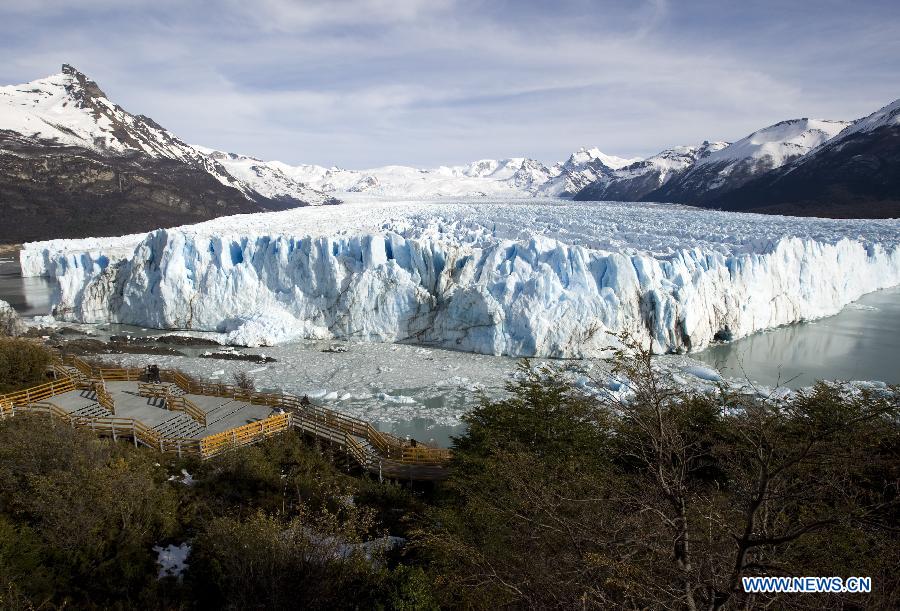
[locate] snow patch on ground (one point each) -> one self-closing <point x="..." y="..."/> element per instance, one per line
<point x="172" y="559"/>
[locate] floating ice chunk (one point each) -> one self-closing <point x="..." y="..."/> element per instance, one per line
<point x="395" y="398"/>
<point x="704" y="373"/>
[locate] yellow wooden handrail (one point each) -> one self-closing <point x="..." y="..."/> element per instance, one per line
<point x="183" y="404"/>
<point x="344" y="426"/>
<point x="39" y="392"/>
<point x="243" y="435"/>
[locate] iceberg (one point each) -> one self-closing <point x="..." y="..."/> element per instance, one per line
<point x="548" y="278"/>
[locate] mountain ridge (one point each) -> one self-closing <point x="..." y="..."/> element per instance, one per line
<point x="73" y="163"/>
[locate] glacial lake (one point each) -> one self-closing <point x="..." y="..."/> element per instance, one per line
<point x="861" y="342"/>
<point x="29" y="296"/>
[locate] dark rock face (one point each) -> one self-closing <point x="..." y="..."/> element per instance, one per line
<point x="51" y="191"/>
<point x="857" y="177"/>
<point x="621" y="189"/>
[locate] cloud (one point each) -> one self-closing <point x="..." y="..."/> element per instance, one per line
<point x="307" y="15"/>
<point x="369" y="82"/>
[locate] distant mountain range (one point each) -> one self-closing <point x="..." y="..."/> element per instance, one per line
<point x="855" y="174"/>
<point x="805" y="167"/>
<point x="73" y="164"/>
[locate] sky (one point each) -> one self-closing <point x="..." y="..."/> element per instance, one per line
<point x="364" y="83"/>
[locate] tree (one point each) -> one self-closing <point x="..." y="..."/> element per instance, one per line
<point x="662" y="496"/>
<point x="22" y="364"/>
<point x="244" y="380"/>
<point x="87" y="511"/>
<point x="528" y="517"/>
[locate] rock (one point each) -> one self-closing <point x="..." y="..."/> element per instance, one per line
<point x="10" y="323"/>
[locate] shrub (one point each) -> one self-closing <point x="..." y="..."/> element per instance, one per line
<point x="22" y="364"/>
<point x="244" y="380"/>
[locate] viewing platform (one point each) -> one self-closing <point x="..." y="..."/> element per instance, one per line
<point x="177" y="414"/>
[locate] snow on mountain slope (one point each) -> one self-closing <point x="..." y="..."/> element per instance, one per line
<point x="888" y="116"/>
<point x="68" y="109"/>
<point x="777" y="144"/>
<point x="584" y="156"/>
<point x="582" y="168"/>
<point x="271" y="179"/>
<point x="517" y="277"/>
<point x="854" y="174"/>
<point x="763" y="150"/>
<point x="884" y="119"/>
<point x="515" y="177"/>
<point x="512" y="177"/>
<point x="634" y="181"/>
<point x="71" y="110"/>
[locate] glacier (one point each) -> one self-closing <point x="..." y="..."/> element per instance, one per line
<point x="548" y="278"/>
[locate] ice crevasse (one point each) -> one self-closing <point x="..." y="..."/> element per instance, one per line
<point x="525" y="279"/>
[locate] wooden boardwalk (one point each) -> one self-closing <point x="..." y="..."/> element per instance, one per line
<point x="188" y="417"/>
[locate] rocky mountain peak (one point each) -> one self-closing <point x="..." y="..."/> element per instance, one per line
<point x="80" y="87"/>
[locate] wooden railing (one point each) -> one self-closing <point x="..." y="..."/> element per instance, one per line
<point x="386" y="445"/>
<point x="317" y="420"/>
<point x="243" y="435"/>
<point x="344" y="439"/>
<point x="38" y="393"/>
<point x="153" y="390"/>
<point x="104" y="398"/>
<point x="79" y="364"/>
<point x="183" y="404"/>
<point x="111" y="374"/>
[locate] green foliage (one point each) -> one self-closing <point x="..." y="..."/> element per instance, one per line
<point x="277" y="475"/>
<point x="22" y="364"/>
<point x="410" y="589"/>
<point x="544" y="416"/>
<point x="393" y="504"/>
<point x="664" y="499"/>
<point x="79" y="515"/>
<point x="555" y="499"/>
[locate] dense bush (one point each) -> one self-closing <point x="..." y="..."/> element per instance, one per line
<point x="657" y="498"/>
<point x="667" y="499"/>
<point x="271" y="526"/>
<point x="22" y="364"/>
<point x="78" y="515"/>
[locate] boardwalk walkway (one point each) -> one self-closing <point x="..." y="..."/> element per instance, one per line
<point x="188" y="417"/>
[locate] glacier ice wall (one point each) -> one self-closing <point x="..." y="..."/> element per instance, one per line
<point x="495" y="282"/>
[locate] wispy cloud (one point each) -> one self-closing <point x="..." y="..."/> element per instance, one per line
<point x="366" y="82"/>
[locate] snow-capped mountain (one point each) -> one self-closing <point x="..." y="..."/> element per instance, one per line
<point x="506" y="177"/>
<point x="584" y="167"/>
<point x="730" y="167"/>
<point x="636" y="180"/>
<point x="856" y="173"/>
<point x="68" y="152"/>
<point x="68" y="109"/>
<point x="512" y="177"/>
